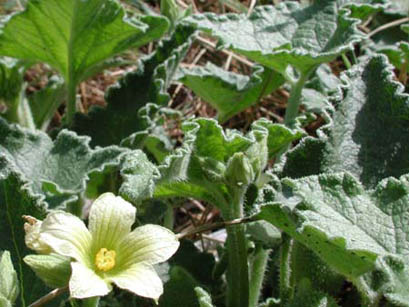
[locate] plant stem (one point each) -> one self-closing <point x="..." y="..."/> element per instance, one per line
<point x="20" y="113"/>
<point x="169" y="217"/>
<point x="90" y="302"/>
<point x="71" y="102"/>
<point x="347" y="63"/>
<point x="295" y="99"/>
<point x="258" y="269"/>
<point x="48" y="297"/>
<point x="237" y="268"/>
<point x="286" y="287"/>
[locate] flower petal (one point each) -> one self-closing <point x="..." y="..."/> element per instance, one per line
<point x="140" y="279"/>
<point x="85" y="282"/>
<point x="110" y="220"/>
<point x="67" y="235"/>
<point x="150" y="244"/>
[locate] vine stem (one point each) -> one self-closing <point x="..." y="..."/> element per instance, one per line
<point x="257" y="271"/>
<point x="48" y="297"/>
<point x="294" y="101"/>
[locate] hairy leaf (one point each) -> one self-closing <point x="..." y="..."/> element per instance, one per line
<point x="230" y="93"/>
<point x="125" y="113"/>
<point x="286" y="34"/>
<point x="362" y="9"/>
<point x="56" y="171"/>
<point x="74" y="36"/>
<point x="347" y="226"/>
<point x="8" y="279"/>
<point x="369" y="130"/>
<point x="200" y="168"/>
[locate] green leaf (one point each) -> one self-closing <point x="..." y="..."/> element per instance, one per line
<point x="307" y="296"/>
<point x="179" y="290"/>
<point x="344" y="224"/>
<point x="198" y="169"/>
<point x="397" y="54"/>
<point x="9" y="288"/>
<point x="138" y="175"/>
<point x="125" y="113"/>
<point x="389" y="279"/>
<point x="230" y="92"/>
<point x="16" y="199"/>
<point x="369" y="129"/>
<point x="46" y="101"/>
<point x="405" y="28"/>
<point x="286" y="34"/>
<point x="57" y="171"/>
<point x="73" y="36"/>
<point x="362" y="9"/>
<point x="204" y="298"/>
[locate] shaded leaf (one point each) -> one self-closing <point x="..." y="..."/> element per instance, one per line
<point x="286" y="34"/>
<point x="46" y="101"/>
<point x="369" y="130"/>
<point x="230" y="92"/>
<point x="125" y="113"/>
<point x="16" y="199"/>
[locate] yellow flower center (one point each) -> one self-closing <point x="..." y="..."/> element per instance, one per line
<point x="105" y="259"/>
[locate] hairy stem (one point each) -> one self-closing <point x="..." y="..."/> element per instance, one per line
<point x="258" y="269"/>
<point x="237" y="268"/>
<point x="286" y="287"/>
<point x="294" y="101"/>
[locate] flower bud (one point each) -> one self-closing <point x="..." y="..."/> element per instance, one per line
<point x="239" y="170"/>
<point x="33" y="238"/>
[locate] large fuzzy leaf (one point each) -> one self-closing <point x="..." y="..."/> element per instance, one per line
<point x="285" y="34"/>
<point x="368" y="136"/>
<point x="230" y="93"/>
<point x="125" y="113"/>
<point x="16" y="199"/>
<point x="56" y="171"/>
<point x="347" y="226"/>
<point x="75" y="36"/>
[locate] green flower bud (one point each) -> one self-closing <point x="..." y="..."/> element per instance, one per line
<point x="239" y="170"/>
<point x="53" y="269"/>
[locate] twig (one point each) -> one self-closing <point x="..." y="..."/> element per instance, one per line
<point x="193" y="64"/>
<point x="389" y="25"/>
<point x="212" y="226"/>
<point x="48" y="297"/>
<point x="235" y="56"/>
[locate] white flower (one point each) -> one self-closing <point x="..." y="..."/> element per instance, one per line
<point x="109" y="252"/>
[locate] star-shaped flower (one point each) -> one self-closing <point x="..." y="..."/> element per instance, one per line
<point x="108" y="251"/>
